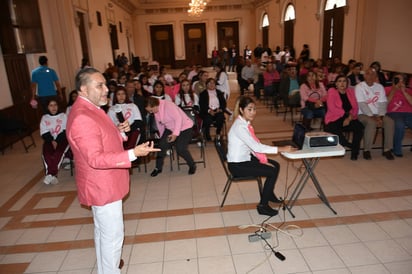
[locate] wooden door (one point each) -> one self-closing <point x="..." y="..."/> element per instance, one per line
<point x="288" y="34"/>
<point x="228" y="34"/>
<point x="333" y="33"/>
<point x="195" y="43"/>
<point x="18" y="76"/>
<point x="163" y="50"/>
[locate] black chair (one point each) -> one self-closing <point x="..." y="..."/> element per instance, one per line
<point x="221" y="150"/>
<point x="14" y="130"/>
<point x="197" y="137"/>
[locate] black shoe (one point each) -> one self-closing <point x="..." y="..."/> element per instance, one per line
<point x="121" y="264"/>
<point x="275" y="199"/>
<point x="266" y="210"/>
<point x="354" y="157"/>
<point x="155" y="172"/>
<point x="388" y="155"/>
<point x="367" y="155"/>
<point x="192" y="170"/>
<point x="398" y="155"/>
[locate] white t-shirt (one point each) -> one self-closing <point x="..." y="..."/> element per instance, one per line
<point x="55" y="124"/>
<point x="372" y="99"/>
<point x="130" y="113"/>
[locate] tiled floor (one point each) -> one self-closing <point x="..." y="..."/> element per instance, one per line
<point x="174" y="223"/>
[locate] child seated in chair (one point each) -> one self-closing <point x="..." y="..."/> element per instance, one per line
<point x="53" y="132"/>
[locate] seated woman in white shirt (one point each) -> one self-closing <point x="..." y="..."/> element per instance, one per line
<point x="53" y="132"/>
<point x="131" y="113"/>
<point x="246" y="155"/>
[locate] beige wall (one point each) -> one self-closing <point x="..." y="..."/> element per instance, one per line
<point x="142" y="25"/>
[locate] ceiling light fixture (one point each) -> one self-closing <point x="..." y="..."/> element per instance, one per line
<point x="196" y="7"/>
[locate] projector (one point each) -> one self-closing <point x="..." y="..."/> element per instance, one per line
<point x="320" y="139"/>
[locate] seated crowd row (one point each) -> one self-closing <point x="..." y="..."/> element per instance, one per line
<point x="155" y="108"/>
<point x="354" y="102"/>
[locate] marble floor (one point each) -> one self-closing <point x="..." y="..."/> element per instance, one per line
<point x="174" y="224"/>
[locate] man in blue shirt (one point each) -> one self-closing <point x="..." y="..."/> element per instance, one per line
<point x="45" y="83"/>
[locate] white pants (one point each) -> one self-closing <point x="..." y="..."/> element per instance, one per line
<point x="108" y="236"/>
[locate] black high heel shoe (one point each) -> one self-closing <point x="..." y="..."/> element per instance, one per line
<point x="266" y="210"/>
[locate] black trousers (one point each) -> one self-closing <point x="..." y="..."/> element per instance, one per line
<point x="181" y="144"/>
<point x="355" y="126"/>
<point x="255" y="168"/>
<point x="218" y="119"/>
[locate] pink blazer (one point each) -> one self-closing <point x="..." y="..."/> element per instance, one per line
<point x="334" y="103"/>
<point x="101" y="163"/>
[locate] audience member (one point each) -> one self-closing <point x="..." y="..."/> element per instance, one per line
<point x="124" y="110"/>
<point x="175" y="127"/>
<point x="53" y="132"/>
<point x="271" y="80"/>
<point x="400" y="110"/>
<point x="342" y="115"/>
<point x="372" y="102"/>
<point x="289" y="87"/>
<point x="355" y="76"/>
<point x="200" y="85"/>
<point x="212" y="106"/>
<point x="186" y="97"/>
<point x="313" y="97"/>
<point x="72" y="97"/>
<point x="247" y="76"/>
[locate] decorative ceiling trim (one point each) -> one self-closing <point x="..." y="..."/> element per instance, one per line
<point x="126" y="5"/>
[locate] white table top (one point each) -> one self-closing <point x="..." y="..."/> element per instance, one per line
<point x="317" y="152"/>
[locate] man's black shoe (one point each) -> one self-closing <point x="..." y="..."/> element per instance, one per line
<point x="388" y="155"/>
<point x="155" y="172"/>
<point x="121" y="264"/>
<point x="192" y="170"/>
<point x="266" y="210"/>
<point x="367" y="155"/>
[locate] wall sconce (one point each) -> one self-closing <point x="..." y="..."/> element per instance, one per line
<point x="317" y="16"/>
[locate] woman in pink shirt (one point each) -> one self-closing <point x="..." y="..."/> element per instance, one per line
<point x="400" y="110"/>
<point x="312" y="99"/>
<point x="175" y="127"/>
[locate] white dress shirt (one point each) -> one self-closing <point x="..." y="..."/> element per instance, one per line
<point x="241" y="143"/>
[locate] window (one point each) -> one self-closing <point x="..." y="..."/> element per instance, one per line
<point x="265" y="20"/>
<point x="290" y="13"/>
<point x="333" y="4"/>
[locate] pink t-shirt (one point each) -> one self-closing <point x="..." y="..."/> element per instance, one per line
<point x="398" y="102"/>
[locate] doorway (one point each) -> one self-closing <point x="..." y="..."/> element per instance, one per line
<point x="163" y="50"/>
<point x="195" y="43"/>
<point x="228" y="34"/>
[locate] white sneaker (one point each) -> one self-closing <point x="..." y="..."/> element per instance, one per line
<point x="54" y="180"/>
<point x="168" y="152"/>
<point x="66" y="161"/>
<point x="67" y="166"/>
<point x="47" y="180"/>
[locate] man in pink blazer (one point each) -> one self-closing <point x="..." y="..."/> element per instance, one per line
<point x="101" y="165"/>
